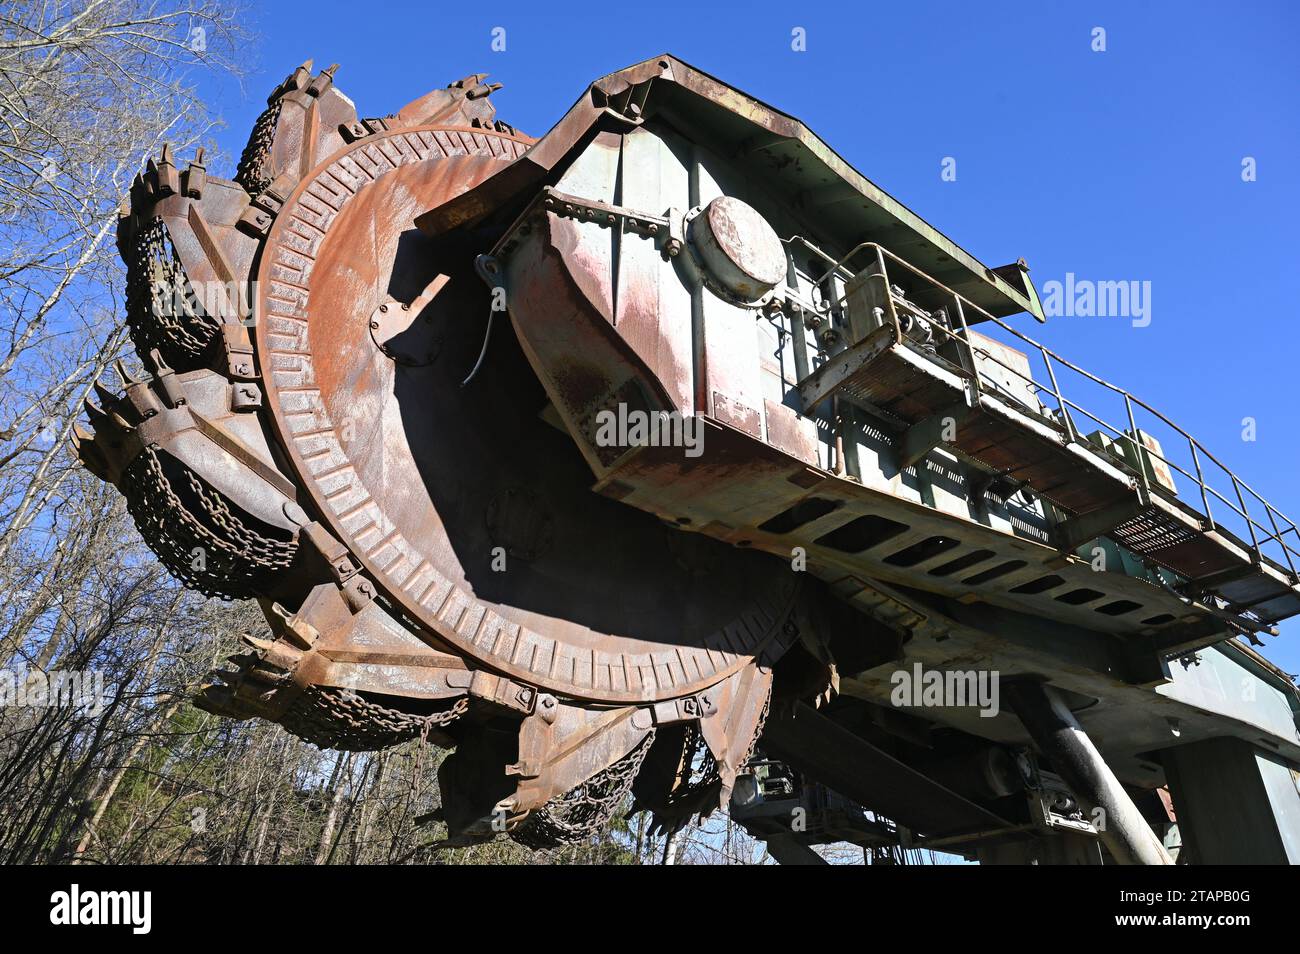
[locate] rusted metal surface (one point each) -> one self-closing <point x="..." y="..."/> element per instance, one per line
<point x="392" y="430"/>
<point x="739" y="250"/>
<point x="784" y="148"/>
<point x="305" y="438"/>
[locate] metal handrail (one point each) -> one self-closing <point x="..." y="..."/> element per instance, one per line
<point x="1064" y="404"/>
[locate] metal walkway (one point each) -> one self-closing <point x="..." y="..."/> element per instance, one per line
<point x="913" y="356"/>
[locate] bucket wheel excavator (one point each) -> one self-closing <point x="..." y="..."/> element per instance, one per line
<point x="579" y="456"/>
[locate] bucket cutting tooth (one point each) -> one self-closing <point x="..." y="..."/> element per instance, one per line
<point x="94" y="412"/>
<point x="256" y="642"/>
<point x="123" y="375"/>
<point x="106" y="397"/>
<point x="219" y="700"/>
<point x="300" y="77"/>
<point x="89" y="452"/>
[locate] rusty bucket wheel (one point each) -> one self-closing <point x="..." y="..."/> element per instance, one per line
<point x="413" y="473"/>
<point x="335" y="435"/>
<point x="190" y="445"/>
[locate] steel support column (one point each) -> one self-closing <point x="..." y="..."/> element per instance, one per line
<point x="1059" y="736"/>
<point x="1236" y="805"/>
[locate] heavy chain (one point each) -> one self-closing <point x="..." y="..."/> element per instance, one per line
<point x="583" y="811"/>
<point x="195" y="533"/>
<point x="758" y="729"/>
<point x="340" y="719"/>
<point x="251" y="173"/>
<point x="699" y="767"/>
<point x="700" y="778"/>
<point x="162" y="309"/>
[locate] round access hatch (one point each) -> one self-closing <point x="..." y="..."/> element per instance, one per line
<point x="740" y="250"/>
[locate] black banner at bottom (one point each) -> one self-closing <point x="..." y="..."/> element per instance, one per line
<point x="145" y="906"/>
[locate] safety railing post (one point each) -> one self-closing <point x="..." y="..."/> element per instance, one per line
<point x="891" y="313"/>
<point x="1295" y="577"/>
<point x="1245" y="512"/>
<point x="1277" y="534"/>
<point x="965" y="341"/>
<point x="1137" y="444"/>
<point x="1071" y="433"/>
<point x="1200" y="481"/>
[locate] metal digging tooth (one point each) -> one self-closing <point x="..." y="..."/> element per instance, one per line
<point x="106" y="397"/>
<point x="123" y="375"/>
<point x="94" y="412"/>
<point x="255" y="642"/>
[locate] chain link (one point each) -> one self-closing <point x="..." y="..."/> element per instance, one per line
<point x="251" y="173"/>
<point x="198" y="526"/>
<point x="340" y="719"/>
<point x="162" y="308"/>
<point x="585" y="810"/>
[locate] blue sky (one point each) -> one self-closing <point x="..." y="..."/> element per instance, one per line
<point x="1116" y="165"/>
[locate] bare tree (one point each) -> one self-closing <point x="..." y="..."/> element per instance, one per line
<point x="88" y="91"/>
